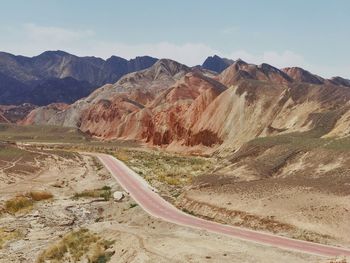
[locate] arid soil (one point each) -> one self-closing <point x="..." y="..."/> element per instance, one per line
<point x="132" y="235"/>
<point x="300" y="191"/>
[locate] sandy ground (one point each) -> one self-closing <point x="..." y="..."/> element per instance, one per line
<point x="138" y="237"/>
<point x="302" y="194"/>
<point x="285" y="212"/>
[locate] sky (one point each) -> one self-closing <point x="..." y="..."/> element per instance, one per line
<point x="313" y="34"/>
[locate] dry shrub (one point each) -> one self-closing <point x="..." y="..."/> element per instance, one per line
<point x="122" y="155"/>
<point x="6" y="236"/>
<point x="40" y="195"/>
<point x="104" y="192"/>
<point x="87" y="193"/>
<point x="76" y="245"/>
<point x="22" y="202"/>
<point x="18" y="203"/>
<point x="172" y="180"/>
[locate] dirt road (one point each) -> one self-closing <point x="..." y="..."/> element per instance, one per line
<point x="152" y="203"/>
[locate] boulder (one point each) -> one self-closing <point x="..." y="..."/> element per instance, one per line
<point x="118" y="196"/>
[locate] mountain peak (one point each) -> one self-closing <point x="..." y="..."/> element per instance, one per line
<point x="301" y="75"/>
<point x="267" y="66"/>
<point x="240" y="62"/>
<point x="116" y="57"/>
<point x="241" y="70"/>
<point x="60" y="53"/>
<point x="166" y="61"/>
<point x="216" y="63"/>
<point x="169" y="67"/>
<point x="340" y="81"/>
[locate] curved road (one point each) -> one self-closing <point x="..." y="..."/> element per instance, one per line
<point x="156" y="206"/>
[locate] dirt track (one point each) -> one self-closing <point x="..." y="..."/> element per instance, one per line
<point x="158" y="207"/>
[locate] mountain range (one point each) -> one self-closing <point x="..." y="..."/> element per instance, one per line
<point x="60" y="77"/>
<point x="57" y="76"/>
<point x="197" y="110"/>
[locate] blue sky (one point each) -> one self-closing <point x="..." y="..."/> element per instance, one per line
<point x="314" y="34"/>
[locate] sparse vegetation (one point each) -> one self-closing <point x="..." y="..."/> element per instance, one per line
<point x="104" y="192"/>
<point x="311" y="236"/>
<point x="339" y="144"/>
<point x="253" y="221"/>
<point x="294" y="140"/>
<point x="132" y="205"/>
<point x="171" y="169"/>
<point x="63" y="154"/>
<point x="26" y="201"/>
<point x="77" y="245"/>
<point x="106" y="188"/>
<point x="88" y="193"/>
<point x="40" y="195"/>
<point x="43" y="133"/>
<point x="11" y="153"/>
<point x="323" y="122"/>
<point x="187" y="211"/>
<point x="123" y="155"/>
<point x="169" y="179"/>
<point x="18" y="203"/>
<point x="8" y="235"/>
<point x="97" y="164"/>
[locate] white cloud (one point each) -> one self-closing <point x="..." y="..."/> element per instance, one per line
<point x="283" y="59"/>
<point x="289" y="59"/>
<point x="32" y="39"/>
<point x="36" y="39"/>
<point x="54" y="35"/>
<point x="188" y="53"/>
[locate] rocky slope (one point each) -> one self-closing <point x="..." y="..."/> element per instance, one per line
<point x="182" y="108"/>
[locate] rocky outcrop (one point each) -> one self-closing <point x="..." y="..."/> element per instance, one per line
<point x="216" y="63"/>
